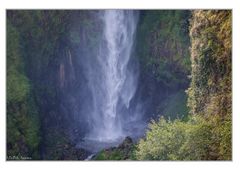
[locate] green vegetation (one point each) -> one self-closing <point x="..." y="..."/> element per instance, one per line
<point x="210" y="90"/>
<point x="174" y="106"/>
<point x="206" y="135"/>
<point x="40" y="51"/>
<point x="162" y="46"/>
<point x="41" y="54"/>
<point x="125" y="151"/>
<point x="33" y="38"/>
<point x="195" y="139"/>
<point x="117" y="154"/>
<point x="22" y="116"/>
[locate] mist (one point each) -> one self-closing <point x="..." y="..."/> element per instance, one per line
<point x="109" y="109"/>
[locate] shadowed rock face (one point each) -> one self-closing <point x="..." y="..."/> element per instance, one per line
<point x="67" y="151"/>
<point x="124" y="151"/>
<point x="126" y="143"/>
<point x="89" y="86"/>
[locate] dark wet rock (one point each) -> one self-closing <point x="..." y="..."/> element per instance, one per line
<point x="128" y="142"/>
<point x="125" y="151"/>
<point x="72" y="153"/>
<point x="67" y="152"/>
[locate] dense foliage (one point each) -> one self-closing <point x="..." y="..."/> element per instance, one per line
<point x="210" y="92"/>
<point x="210" y="89"/>
<point x="125" y="151"/>
<point x="43" y="48"/>
<point x="207" y="133"/>
<point x="38" y="60"/>
<point x="22" y="118"/>
<point x="196" y="139"/>
<point x="163" y="43"/>
<point x="162" y="47"/>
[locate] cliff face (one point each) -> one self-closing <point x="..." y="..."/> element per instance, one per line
<point x="206" y="134"/>
<point x="162" y="46"/>
<point x="41" y="68"/>
<point x="51" y="46"/>
<point x="47" y="88"/>
<point x="48" y="46"/>
<point x="22" y="114"/>
<point x="210" y="90"/>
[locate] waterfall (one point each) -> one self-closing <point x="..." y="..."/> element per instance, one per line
<point x="111" y="80"/>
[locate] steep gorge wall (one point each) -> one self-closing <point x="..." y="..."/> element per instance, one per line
<point x="162" y="46"/>
<point x="49" y="43"/>
<point x="42" y="49"/>
<point x="210" y="91"/>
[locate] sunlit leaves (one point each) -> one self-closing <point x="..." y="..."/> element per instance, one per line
<point x="196" y="139"/>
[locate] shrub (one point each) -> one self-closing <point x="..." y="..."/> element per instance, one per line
<point x="196" y="139"/>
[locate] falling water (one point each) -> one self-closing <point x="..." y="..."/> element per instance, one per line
<point x="111" y="79"/>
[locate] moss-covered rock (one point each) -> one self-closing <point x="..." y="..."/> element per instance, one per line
<point x="125" y="151"/>
<point x="23" y="136"/>
<point x="163" y="46"/>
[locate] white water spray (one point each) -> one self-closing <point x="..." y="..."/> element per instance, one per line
<point x="111" y="82"/>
